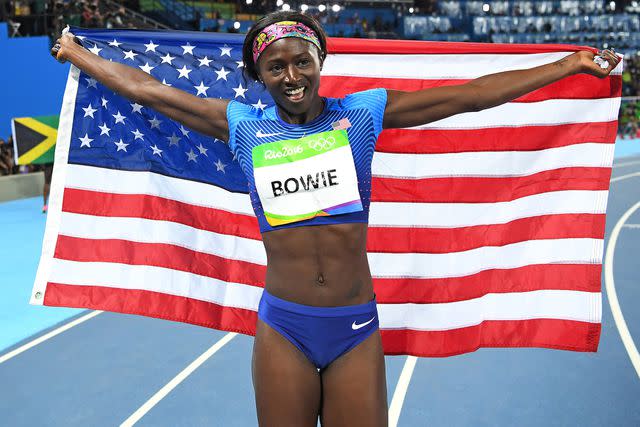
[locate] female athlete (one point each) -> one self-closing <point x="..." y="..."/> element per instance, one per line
<point x="317" y="350"/>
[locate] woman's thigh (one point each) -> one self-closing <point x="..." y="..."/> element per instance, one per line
<point x="287" y="385"/>
<point x="354" y="387"/>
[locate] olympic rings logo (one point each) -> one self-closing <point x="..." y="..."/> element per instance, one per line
<point x="322" y="144"/>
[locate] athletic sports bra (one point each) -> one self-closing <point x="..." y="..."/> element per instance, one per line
<point x="311" y="174"/>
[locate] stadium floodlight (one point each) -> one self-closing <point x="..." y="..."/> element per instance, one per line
<point x="286" y="6"/>
<point x="410" y="10"/>
<point x="322" y="8"/>
<point x="249" y="1"/>
<point x="634" y="4"/>
<point x="486" y="7"/>
<point x="304" y="7"/>
<point x="236" y="25"/>
<point x="335" y="8"/>
<point x="279" y="3"/>
<point x="612" y="5"/>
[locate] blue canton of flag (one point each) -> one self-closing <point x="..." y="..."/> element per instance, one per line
<point x="113" y="132"/>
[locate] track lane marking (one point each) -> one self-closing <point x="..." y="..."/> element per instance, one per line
<point x="51" y="334"/>
<point x="164" y="391"/>
<point x="626" y="164"/>
<point x="620" y="178"/>
<point x="625" y="335"/>
<point x="401" y="390"/>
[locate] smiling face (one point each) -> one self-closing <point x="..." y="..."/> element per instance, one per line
<point x="290" y="69"/>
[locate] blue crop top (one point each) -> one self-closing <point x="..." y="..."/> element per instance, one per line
<point x="358" y="120"/>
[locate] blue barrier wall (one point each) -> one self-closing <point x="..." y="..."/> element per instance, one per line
<point x="31" y="81"/>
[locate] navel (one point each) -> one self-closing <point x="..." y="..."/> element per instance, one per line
<point x="320" y="279"/>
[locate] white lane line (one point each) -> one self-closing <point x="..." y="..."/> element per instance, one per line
<point x="51" y="334"/>
<point x="626" y="164"/>
<point x="611" y="291"/>
<point x="631" y="226"/>
<point x="135" y="417"/>
<point x="401" y="390"/>
<point x="620" y="178"/>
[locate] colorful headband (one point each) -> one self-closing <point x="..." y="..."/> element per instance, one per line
<point x="281" y="30"/>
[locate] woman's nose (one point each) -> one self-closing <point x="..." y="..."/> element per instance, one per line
<point x="291" y="74"/>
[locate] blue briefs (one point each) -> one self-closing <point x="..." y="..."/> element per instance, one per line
<point x="322" y="333"/>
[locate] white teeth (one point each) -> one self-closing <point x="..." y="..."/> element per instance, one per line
<point x="294" y="91"/>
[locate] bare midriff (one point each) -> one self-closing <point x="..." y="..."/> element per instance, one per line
<point x="324" y="265"/>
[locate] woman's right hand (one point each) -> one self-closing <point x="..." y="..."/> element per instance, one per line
<point x="62" y="46"/>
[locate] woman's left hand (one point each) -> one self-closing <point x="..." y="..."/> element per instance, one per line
<point x="588" y="66"/>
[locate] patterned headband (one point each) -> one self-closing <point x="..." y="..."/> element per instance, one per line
<point x="281" y="30"/>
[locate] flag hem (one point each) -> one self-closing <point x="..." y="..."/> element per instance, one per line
<point x="58" y="181"/>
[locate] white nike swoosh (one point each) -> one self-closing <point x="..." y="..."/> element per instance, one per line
<point x="355" y="326"/>
<point x="259" y="134"/>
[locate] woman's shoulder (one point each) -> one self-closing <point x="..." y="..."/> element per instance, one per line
<point x="243" y="111"/>
<point x="374" y="101"/>
<point x="363" y="98"/>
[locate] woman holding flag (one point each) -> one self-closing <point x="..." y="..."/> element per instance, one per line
<point x="317" y="350"/>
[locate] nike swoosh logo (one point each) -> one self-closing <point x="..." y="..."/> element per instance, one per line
<point x="259" y="134"/>
<point x="356" y="326"/>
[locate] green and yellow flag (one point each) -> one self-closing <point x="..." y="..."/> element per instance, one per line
<point x="35" y="139"/>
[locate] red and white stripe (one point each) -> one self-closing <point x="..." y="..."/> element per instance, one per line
<point x="486" y="229"/>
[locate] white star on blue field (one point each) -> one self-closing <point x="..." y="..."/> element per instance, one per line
<point x="113" y="132"/>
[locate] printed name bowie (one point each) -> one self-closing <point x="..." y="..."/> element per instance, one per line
<point x="310" y="182"/>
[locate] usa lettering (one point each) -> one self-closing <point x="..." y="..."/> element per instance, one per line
<point x="305" y="183"/>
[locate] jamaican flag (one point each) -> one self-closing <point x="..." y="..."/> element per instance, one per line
<point x="34" y="139"/>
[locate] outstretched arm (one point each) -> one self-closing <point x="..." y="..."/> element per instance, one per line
<point x="406" y="109"/>
<point x="204" y="115"/>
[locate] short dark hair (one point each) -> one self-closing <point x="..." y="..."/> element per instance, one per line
<point x="272" y="18"/>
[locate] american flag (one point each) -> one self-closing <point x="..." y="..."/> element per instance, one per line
<point x="486" y="229"/>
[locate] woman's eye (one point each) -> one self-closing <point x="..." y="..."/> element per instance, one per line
<point x="276" y="69"/>
<point x="303" y="62"/>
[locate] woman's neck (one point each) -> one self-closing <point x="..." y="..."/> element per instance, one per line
<point x="317" y="106"/>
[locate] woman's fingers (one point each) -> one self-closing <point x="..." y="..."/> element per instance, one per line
<point x="606" y="60"/>
<point x="606" y="54"/>
<point x="64" y="44"/>
<point x="55" y="50"/>
<point x="610" y="56"/>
